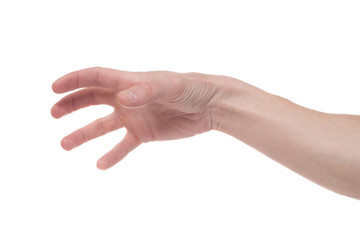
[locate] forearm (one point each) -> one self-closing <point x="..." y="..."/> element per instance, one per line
<point x="324" y="148"/>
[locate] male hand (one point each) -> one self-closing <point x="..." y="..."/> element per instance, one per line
<point x="150" y="105"/>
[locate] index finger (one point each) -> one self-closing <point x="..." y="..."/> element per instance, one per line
<point x="90" y="77"/>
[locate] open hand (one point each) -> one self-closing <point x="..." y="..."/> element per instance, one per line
<point x="150" y="105"/>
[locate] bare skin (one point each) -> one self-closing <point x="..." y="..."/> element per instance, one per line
<point x="162" y="105"/>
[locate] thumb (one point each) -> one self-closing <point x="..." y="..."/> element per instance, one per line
<point x="139" y="95"/>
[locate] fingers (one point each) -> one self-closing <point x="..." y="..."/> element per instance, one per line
<point x="129" y="143"/>
<point x="82" y="99"/>
<point x="95" y="129"/>
<point x="141" y="94"/>
<point x="90" y="77"/>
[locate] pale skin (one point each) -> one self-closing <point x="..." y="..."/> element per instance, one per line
<point x="162" y="105"/>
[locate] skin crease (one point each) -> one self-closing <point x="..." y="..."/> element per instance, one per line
<point x="164" y="105"/>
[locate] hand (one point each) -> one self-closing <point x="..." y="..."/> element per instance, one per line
<point x="150" y="105"/>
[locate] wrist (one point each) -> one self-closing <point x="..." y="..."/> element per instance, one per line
<point x="236" y="101"/>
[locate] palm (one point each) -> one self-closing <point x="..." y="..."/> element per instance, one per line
<point x="161" y="117"/>
<point x="156" y="122"/>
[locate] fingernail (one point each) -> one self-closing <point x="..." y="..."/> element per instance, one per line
<point x="127" y="96"/>
<point x="132" y="96"/>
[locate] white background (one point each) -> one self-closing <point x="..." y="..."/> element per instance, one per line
<point x="207" y="187"/>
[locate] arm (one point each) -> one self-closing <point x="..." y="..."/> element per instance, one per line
<point x="325" y="148"/>
<point x="153" y="106"/>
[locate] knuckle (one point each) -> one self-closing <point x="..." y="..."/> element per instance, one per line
<point x="96" y="71"/>
<point x="101" y="128"/>
<point x="114" y="156"/>
<point x="125" y="148"/>
<point x="178" y="83"/>
<point x="91" y="98"/>
<point x="77" y="80"/>
<point x="82" y="135"/>
<point x="97" y="76"/>
<point x="72" y="103"/>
